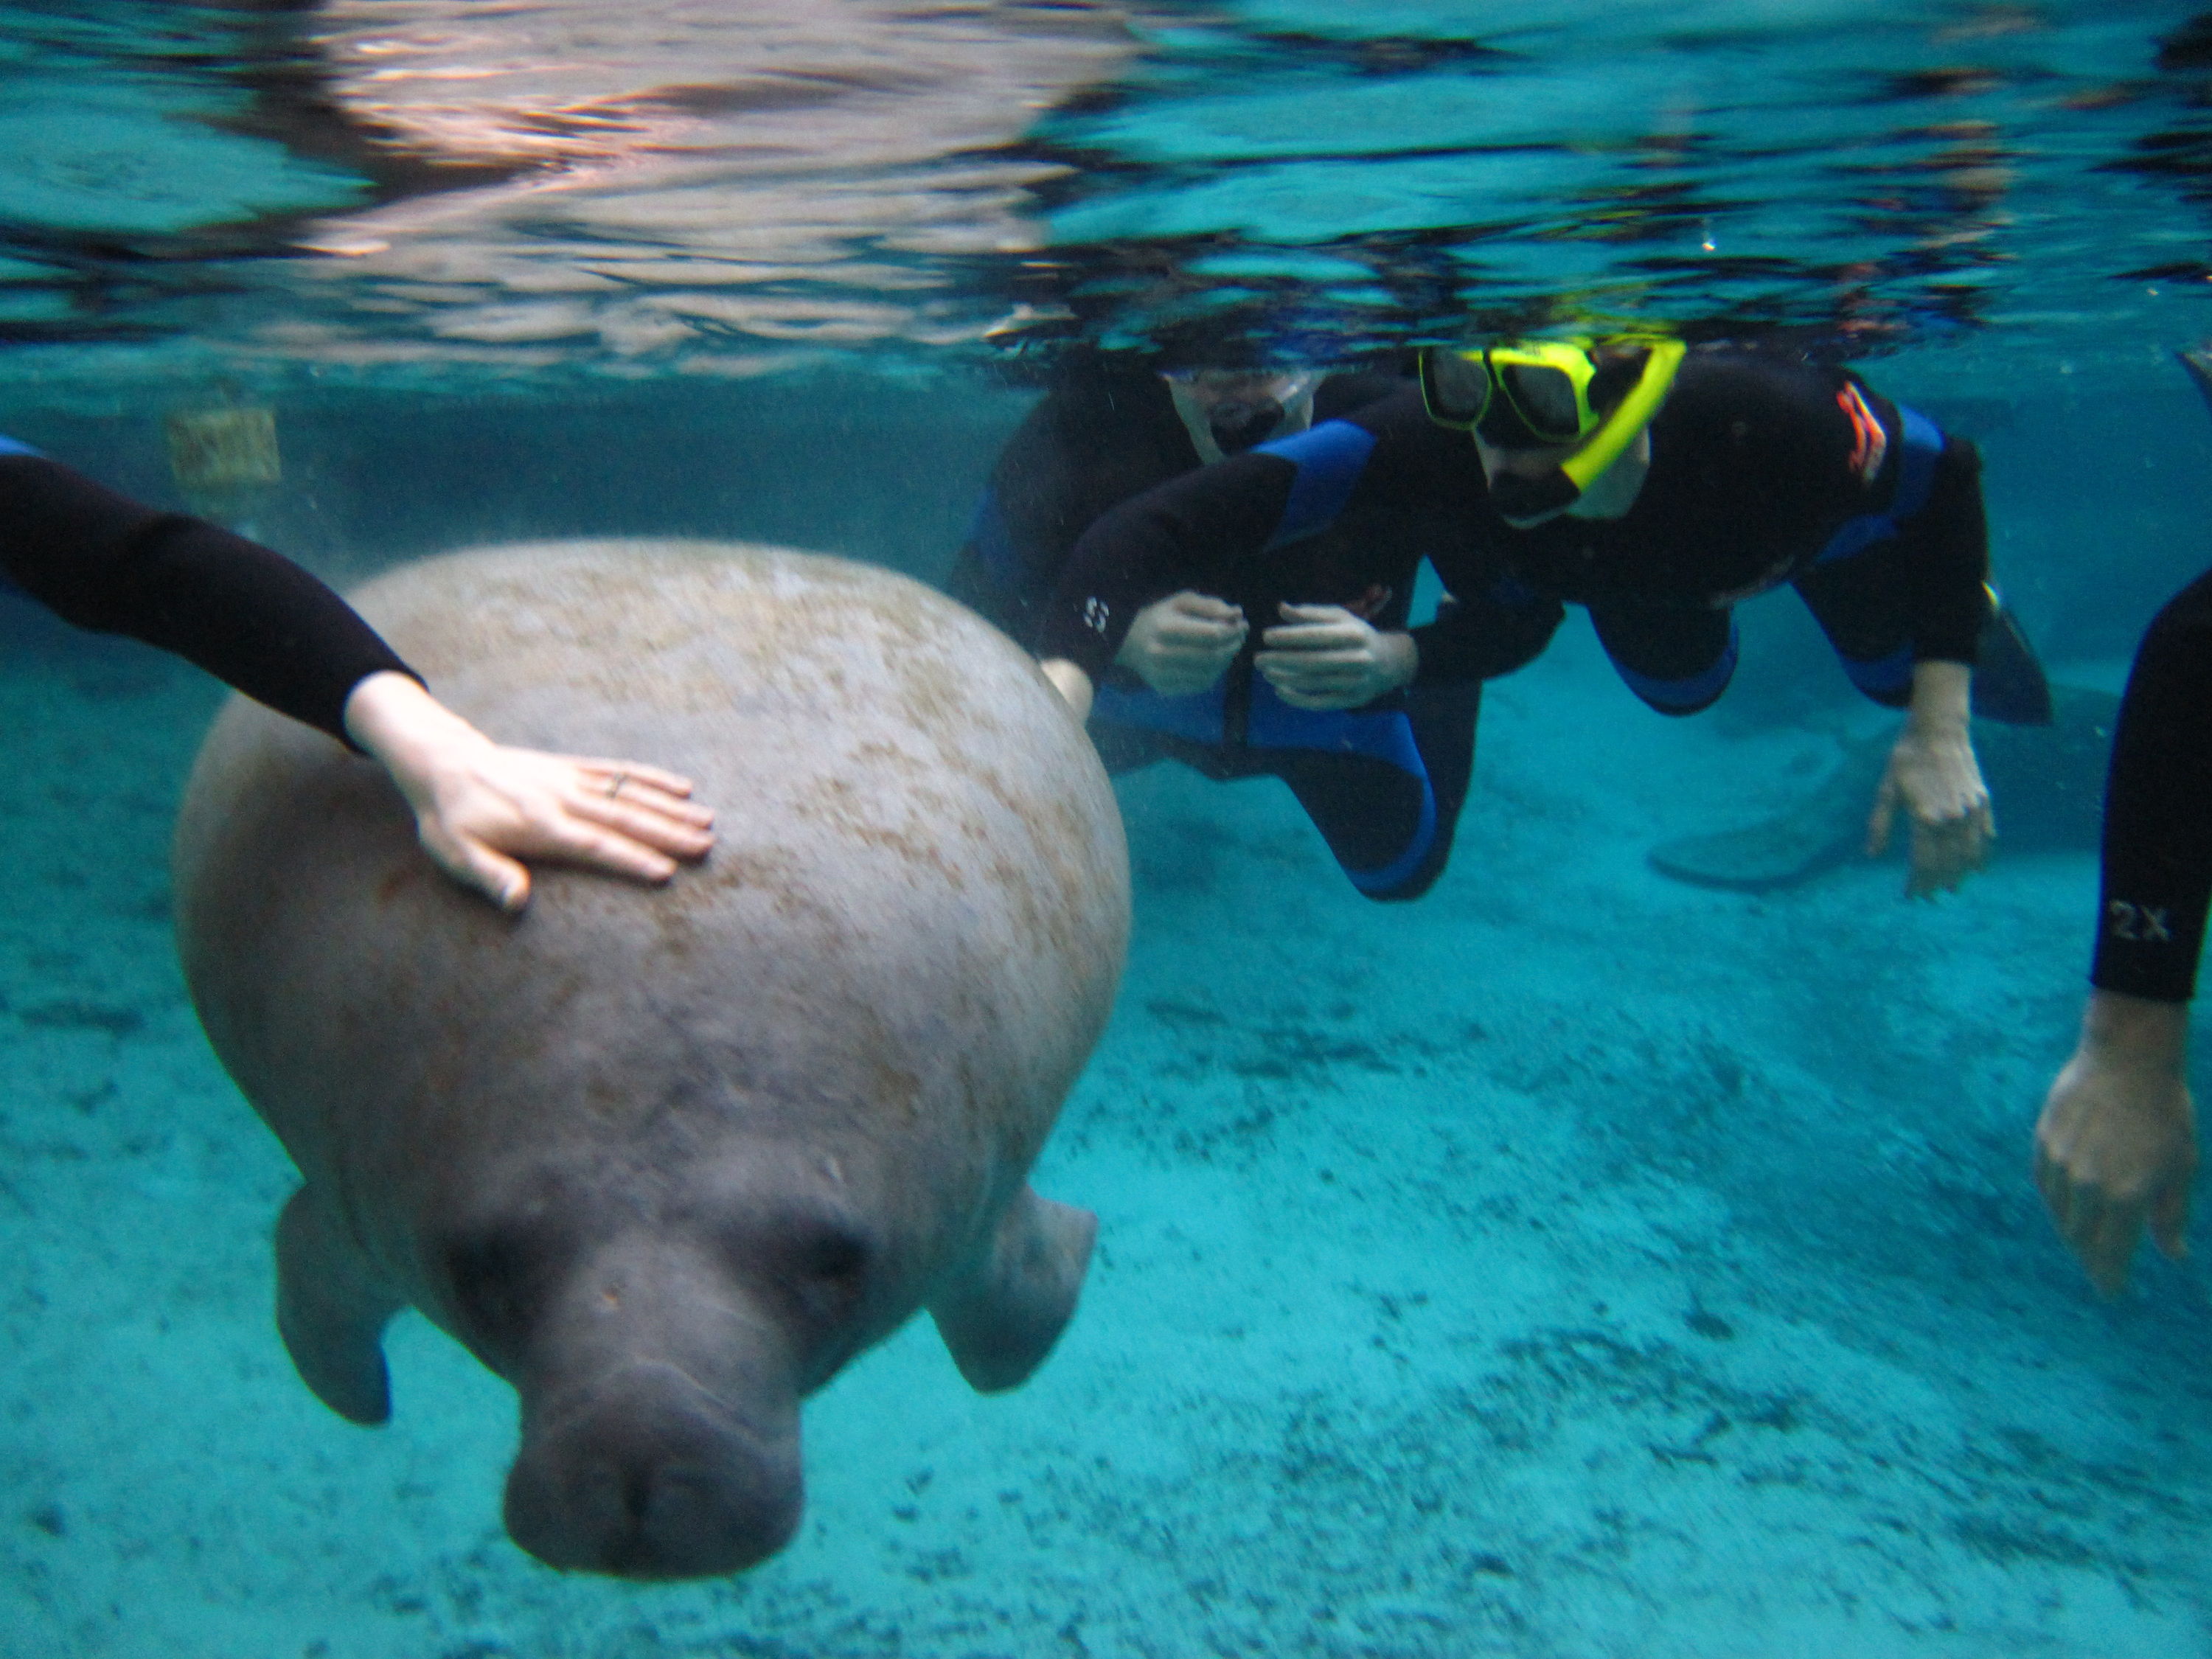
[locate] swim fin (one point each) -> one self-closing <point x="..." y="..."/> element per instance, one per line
<point x="14" y="447"/>
<point x="2008" y="681"/>
<point x="2197" y="360"/>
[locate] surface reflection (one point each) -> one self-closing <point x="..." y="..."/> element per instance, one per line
<point x="412" y="186"/>
<point x="690" y="174"/>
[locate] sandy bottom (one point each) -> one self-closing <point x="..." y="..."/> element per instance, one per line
<point x="1573" y="1263"/>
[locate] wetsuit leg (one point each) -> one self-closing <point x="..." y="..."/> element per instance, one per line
<point x="1679" y="658"/>
<point x="1362" y="777"/>
<point x="1443" y="720"/>
<point x="1371" y="814"/>
<point x="1383" y="787"/>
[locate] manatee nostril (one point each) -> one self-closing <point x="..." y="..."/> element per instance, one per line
<point x="645" y="1484"/>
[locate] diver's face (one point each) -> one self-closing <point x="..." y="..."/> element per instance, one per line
<point x="1240" y="408"/>
<point x="1530" y="465"/>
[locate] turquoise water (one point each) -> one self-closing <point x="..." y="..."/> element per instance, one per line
<point x="1574" y="1263"/>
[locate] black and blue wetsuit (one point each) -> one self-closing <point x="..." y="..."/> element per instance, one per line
<point x="249" y="616"/>
<point x="1103" y="435"/>
<point x="1383" y="784"/>
<point x="2157" y="880"/>
<point x="1764" y="469"/>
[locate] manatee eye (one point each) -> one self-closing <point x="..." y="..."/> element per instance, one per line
<point x="836" y="1257"/>
<point x="499" y="1277"/>
<point x="823" y="1268"/>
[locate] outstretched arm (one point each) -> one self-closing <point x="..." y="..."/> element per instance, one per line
<point x="261" y="624"/>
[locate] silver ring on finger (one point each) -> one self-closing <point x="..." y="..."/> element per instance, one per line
<point x="615" y="784"/>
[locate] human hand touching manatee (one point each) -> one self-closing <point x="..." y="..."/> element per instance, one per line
<point x="480" y="806"/>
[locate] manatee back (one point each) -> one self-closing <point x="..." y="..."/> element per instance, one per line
<point x="907" y="939"/>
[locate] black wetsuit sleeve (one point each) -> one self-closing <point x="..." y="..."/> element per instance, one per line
<point x="2157" y="877"/>
<point x="250" y="617"/>
<point x="1187" y="533"/>
<point x="1492" y="625"/>
<point x="1946" y="560"/>
<point x="1094" y="440"/>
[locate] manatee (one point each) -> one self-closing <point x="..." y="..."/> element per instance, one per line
<point x="665" y="1160"/>
<point x="2048" y="783"/>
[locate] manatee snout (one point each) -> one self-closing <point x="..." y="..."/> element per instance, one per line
<point x="646" y="1474"/>
<point x="659" y="1414"/>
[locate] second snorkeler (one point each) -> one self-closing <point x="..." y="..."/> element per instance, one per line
<point x="1261" y="604"/>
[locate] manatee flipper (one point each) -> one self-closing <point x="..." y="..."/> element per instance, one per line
<point x="1817" y="833"/>
<point x="331" y="1311"/>
<point x="1001" y="1316"/>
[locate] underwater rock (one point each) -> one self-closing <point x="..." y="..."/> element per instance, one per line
<point x="667" y="1159"/>
<point x="2046" y="782"/>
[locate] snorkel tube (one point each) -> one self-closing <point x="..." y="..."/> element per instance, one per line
<point x="1537" y="498"/>
<point x="1608" y="443"/>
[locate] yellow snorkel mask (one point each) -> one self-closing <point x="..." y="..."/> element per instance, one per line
<point x="1536" y="394"/>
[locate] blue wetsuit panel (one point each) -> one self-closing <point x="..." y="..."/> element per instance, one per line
<point x="1884" y="676"/>
<point x="1386" y="737"/>
<point x="1271" y="723"/>
<point x="992" y="541"/>
<point x="1197" y="717"/>
<point x="1329" y="458"/>
<point x="1389" y="736"/>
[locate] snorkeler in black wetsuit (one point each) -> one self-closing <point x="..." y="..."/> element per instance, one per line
<point x="1105" y="433"/>
<point x="2116" y="1146"/>
<point x="1724" y="471"/>
<point x="1384" y="787"/>
<point x="259" y="623"/>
